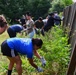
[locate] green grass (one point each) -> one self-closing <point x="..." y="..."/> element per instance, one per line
<point x="3" y="37"/>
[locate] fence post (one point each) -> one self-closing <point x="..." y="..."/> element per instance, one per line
<point x="72" y="64"/>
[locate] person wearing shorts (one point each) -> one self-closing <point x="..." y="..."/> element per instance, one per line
<point x="25" y="46"/>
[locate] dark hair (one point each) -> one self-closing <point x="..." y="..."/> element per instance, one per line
<point x="40" y="18"/>
<point x="38" y="42"/>
<point x="51" y="14"/>
<point x="28" y="13"/>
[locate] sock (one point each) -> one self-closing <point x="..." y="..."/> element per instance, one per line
<point x="9" y="72"/>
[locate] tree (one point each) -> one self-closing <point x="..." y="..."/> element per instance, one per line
<point x="13" y="8"/>
<point x="59" y="5"/>
<point x="16" y="8"/>
<point x="39" y="7"/>
<point x="67" y="2"/>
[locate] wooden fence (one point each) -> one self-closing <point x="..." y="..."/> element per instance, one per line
<point x="70" y="23"/>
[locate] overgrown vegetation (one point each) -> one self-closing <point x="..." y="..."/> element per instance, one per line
<point x="55" y="50"/>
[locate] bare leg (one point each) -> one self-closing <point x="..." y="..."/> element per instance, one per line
<point x="10" y="67"/>
<point x="18" y="66"/>
<point x="18" y="62"/>
<point x="11" y="64"/>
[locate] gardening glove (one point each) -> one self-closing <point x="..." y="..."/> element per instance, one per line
<point x="39" y="69"/>
<point x="43" y="61"/>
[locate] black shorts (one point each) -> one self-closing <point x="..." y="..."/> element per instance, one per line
<point x="7" y="51"/>
<point x="11" y="33"/>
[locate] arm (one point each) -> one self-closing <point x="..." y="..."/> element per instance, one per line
<point x="41" y="58"/>
<point x="24" y="30"/>
<point x="34" y="26"/>
<point x="57" y="19"/>
<point x="32" y="63"/>
<point x="37" y="54"/>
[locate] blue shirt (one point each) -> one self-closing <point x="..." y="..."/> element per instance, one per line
<point x="21" y="45"/>
<point x="16" y="27"/>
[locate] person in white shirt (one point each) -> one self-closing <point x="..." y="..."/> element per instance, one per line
<point x="29" y="25"/>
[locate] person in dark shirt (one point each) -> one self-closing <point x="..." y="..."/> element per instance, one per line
<point x="14" y="29"/>
<point x="39" y="24"/>
<point x="22" y="21"/>
<point x="56" y="22"/>
<point x="50" y="22"/>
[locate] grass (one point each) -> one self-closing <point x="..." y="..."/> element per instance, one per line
<point x="3" y="37"/>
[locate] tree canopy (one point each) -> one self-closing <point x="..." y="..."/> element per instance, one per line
<point x="59" y="5"/>
<point x="38" y="8"/>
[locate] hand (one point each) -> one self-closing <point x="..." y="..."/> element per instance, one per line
<point x="39" y="69"/>
<point x="43" y="61"/>
<point x="24" y="30"/>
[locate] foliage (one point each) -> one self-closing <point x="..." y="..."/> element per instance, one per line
<point x="16" y="8"/>
<point x="67" y="2"/>
<point x="59" y="5"/>
<point x="39" y="7"/>
<point x="13" y="8"/>
<point x="55" y="49"/>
